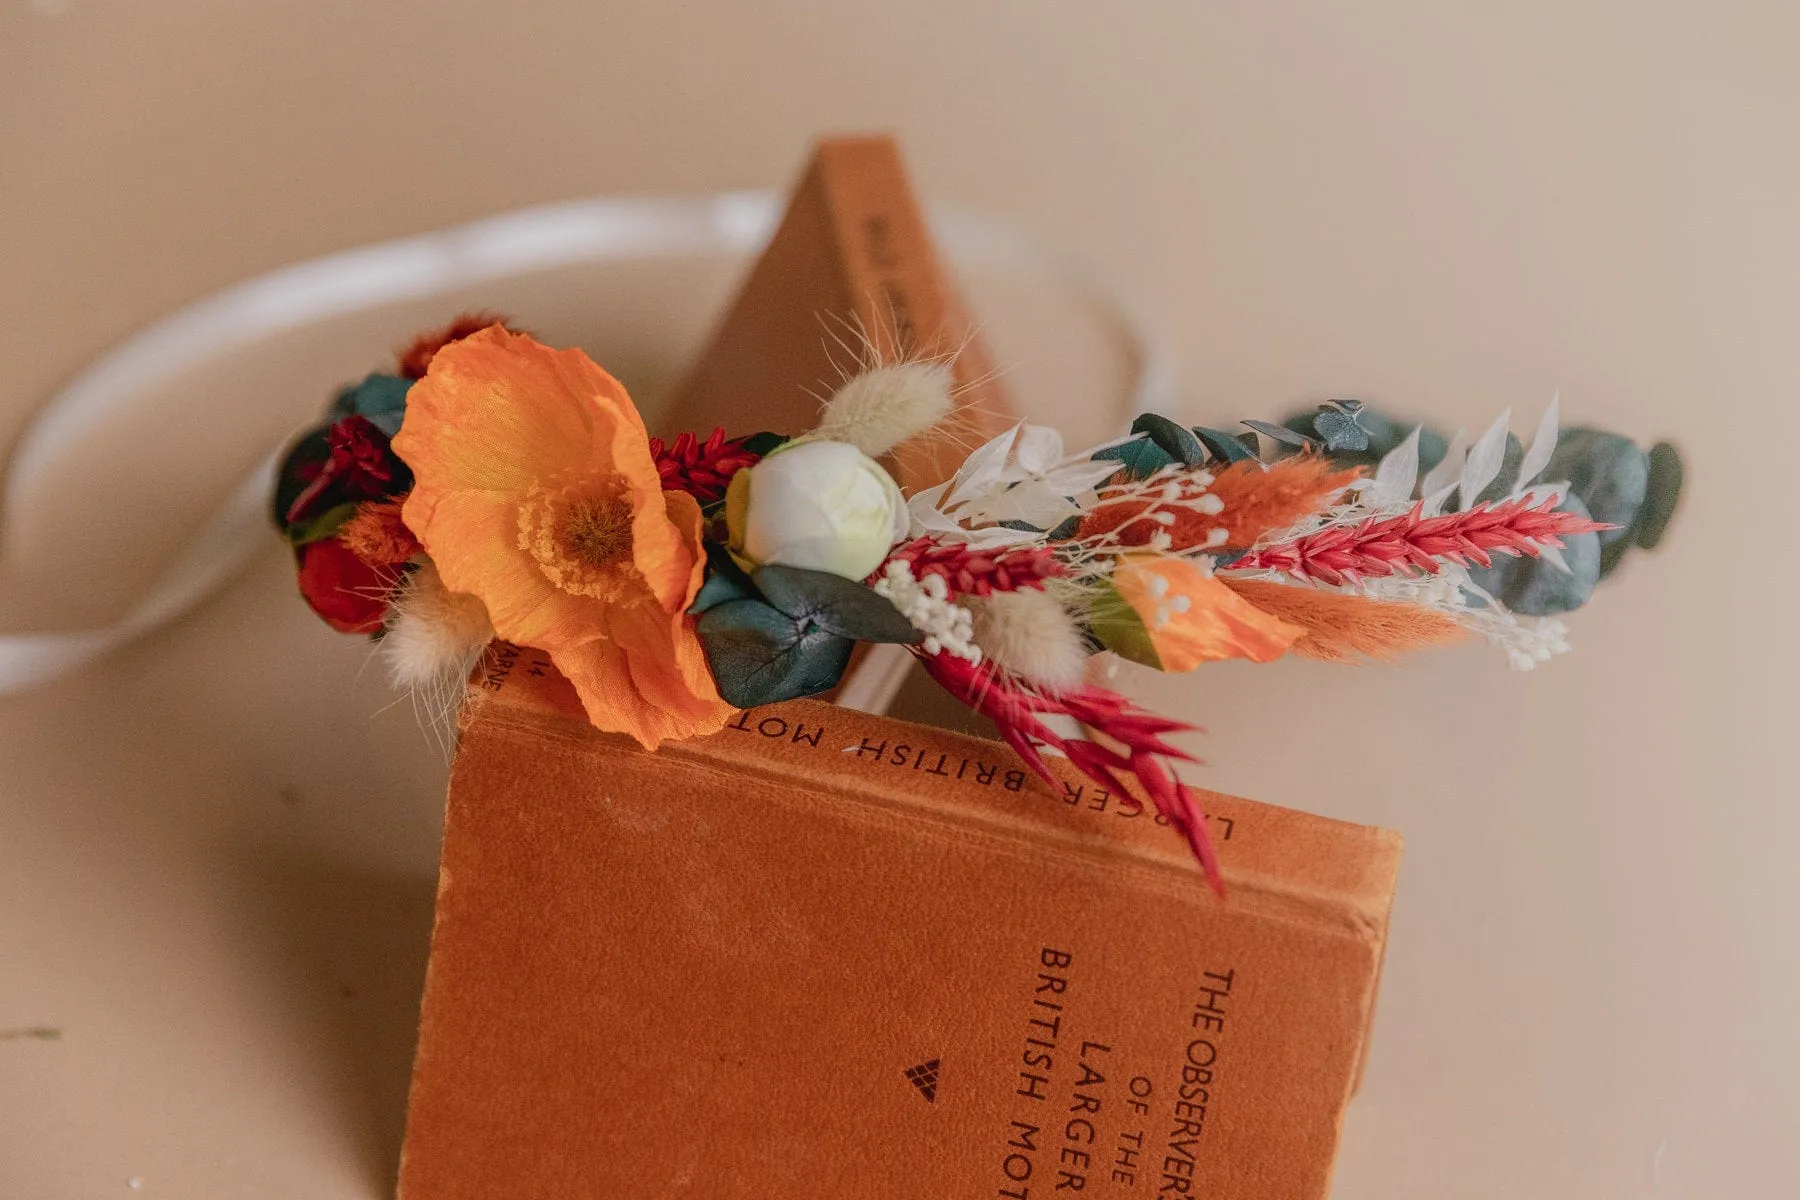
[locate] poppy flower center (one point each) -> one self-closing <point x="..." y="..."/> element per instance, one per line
<point x="596" y="531"/>
<point x="581" y="539"/>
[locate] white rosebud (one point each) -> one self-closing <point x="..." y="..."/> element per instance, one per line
<point x="817" y="505"/>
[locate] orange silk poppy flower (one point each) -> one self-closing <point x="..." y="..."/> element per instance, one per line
<point x="534" y="490"/>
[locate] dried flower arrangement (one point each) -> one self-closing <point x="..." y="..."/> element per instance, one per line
<point x="493" y="487"/>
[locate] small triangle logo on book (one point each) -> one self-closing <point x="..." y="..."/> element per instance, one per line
<point x="925" y="1077"/>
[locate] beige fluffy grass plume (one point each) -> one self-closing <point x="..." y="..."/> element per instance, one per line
<point x="1029" y="633"/>
<point x="882" y="407"/>
<point x="433" y="635"/>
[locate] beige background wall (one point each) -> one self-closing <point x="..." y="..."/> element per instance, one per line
<point x="215" y="865"/>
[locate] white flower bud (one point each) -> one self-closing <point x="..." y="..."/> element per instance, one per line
<point x="818" y="505"/>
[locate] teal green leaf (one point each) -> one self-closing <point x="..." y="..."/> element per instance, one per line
<point x="1179" y="444"/>
<point x="759" y="655"/>
<point x="1661" y="494"/>
<point x="1223" y="445"/>
<point x="720" y="588"/>
<point x="380" y="398"/>
<point x="1281" y="434"/>
<point x="1117" y="626"/>
<point x="1611" y="475"/>
<point x="1339" y="424"/>
<point x="837" y="605"/>
<point x="762" y="443"/>
<point x="322" y="526"/>
<point x="1140" y="457"/>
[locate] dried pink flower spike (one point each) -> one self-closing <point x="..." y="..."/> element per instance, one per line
<point x="1015" y="708"/>
<point x="1410" y="542"/>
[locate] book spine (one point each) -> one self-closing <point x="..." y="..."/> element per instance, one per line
<point x="904" y="300"/>
<point x="1288" y="864"/>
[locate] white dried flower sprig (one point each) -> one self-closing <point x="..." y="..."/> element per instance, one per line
<point x="1526" y="641"/>
<point x="949" y="628"/>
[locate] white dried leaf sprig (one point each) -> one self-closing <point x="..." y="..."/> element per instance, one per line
<point x="1022" y="475"/>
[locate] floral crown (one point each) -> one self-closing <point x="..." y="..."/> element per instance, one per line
<point x="494" y="487"/>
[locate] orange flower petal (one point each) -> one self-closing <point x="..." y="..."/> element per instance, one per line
<point x="1192" y="617"/>
<point x="639" y="678"/>
<point x="514" y="449"/>
<point x="516" y="412"/>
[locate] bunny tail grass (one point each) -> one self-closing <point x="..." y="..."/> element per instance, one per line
<point x="1030" y="634"/>
<point x="882" y="407"/>
<point x="434" y="636"/>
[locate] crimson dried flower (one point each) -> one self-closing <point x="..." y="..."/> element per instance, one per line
<point x="701" y="469"/>
<point x="361" y="465"/>
<point x="972" y="572"/>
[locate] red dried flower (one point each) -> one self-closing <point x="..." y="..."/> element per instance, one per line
<point x="415" y="360"/>
<point x="970" y="572"/>
<point x="701" y="469"/>
<point x="350" y="594"/>
<point x="1015" y="707"/>
<point x="362" y="466"/>
<point x="1411" y="542"/>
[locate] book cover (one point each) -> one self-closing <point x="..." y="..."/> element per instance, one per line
<point x="827" y="954"/>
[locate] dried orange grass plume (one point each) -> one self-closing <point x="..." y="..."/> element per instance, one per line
<point x="1345" y="628"/>
<point x="1260" y="500"/>
<point x="377" y="535"/>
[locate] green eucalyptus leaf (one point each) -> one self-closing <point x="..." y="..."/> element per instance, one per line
<point x="1339" y="425"/>
<point x="1223" y="445"/>
<point x="1140" y="457"/>
<point x="1535" y="588"/>
<point x="1661" y="493"/>
<point x="1611" y="475"/>
<point x="1384" y="434"/>
<point x="837" y="605"/>
<point x="1179" y="444"/>
<point x="759" y="655"/>
<point x="380" y="398"/>
<point x="725" y="580"/>
<point x="1117" y="626"/>
<point x="1281" y="435"/>
<point x="720" y="588"/>
<point x="763" y="443"/>
<point x="322" y="526"/>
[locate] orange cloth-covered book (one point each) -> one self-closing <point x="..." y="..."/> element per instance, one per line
<point x="826" y="954"/>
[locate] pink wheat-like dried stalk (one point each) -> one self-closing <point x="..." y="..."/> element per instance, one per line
<point x="1015" y="708"/>
<point x="970" y="572"/>
<point x="1411" y="542"/>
